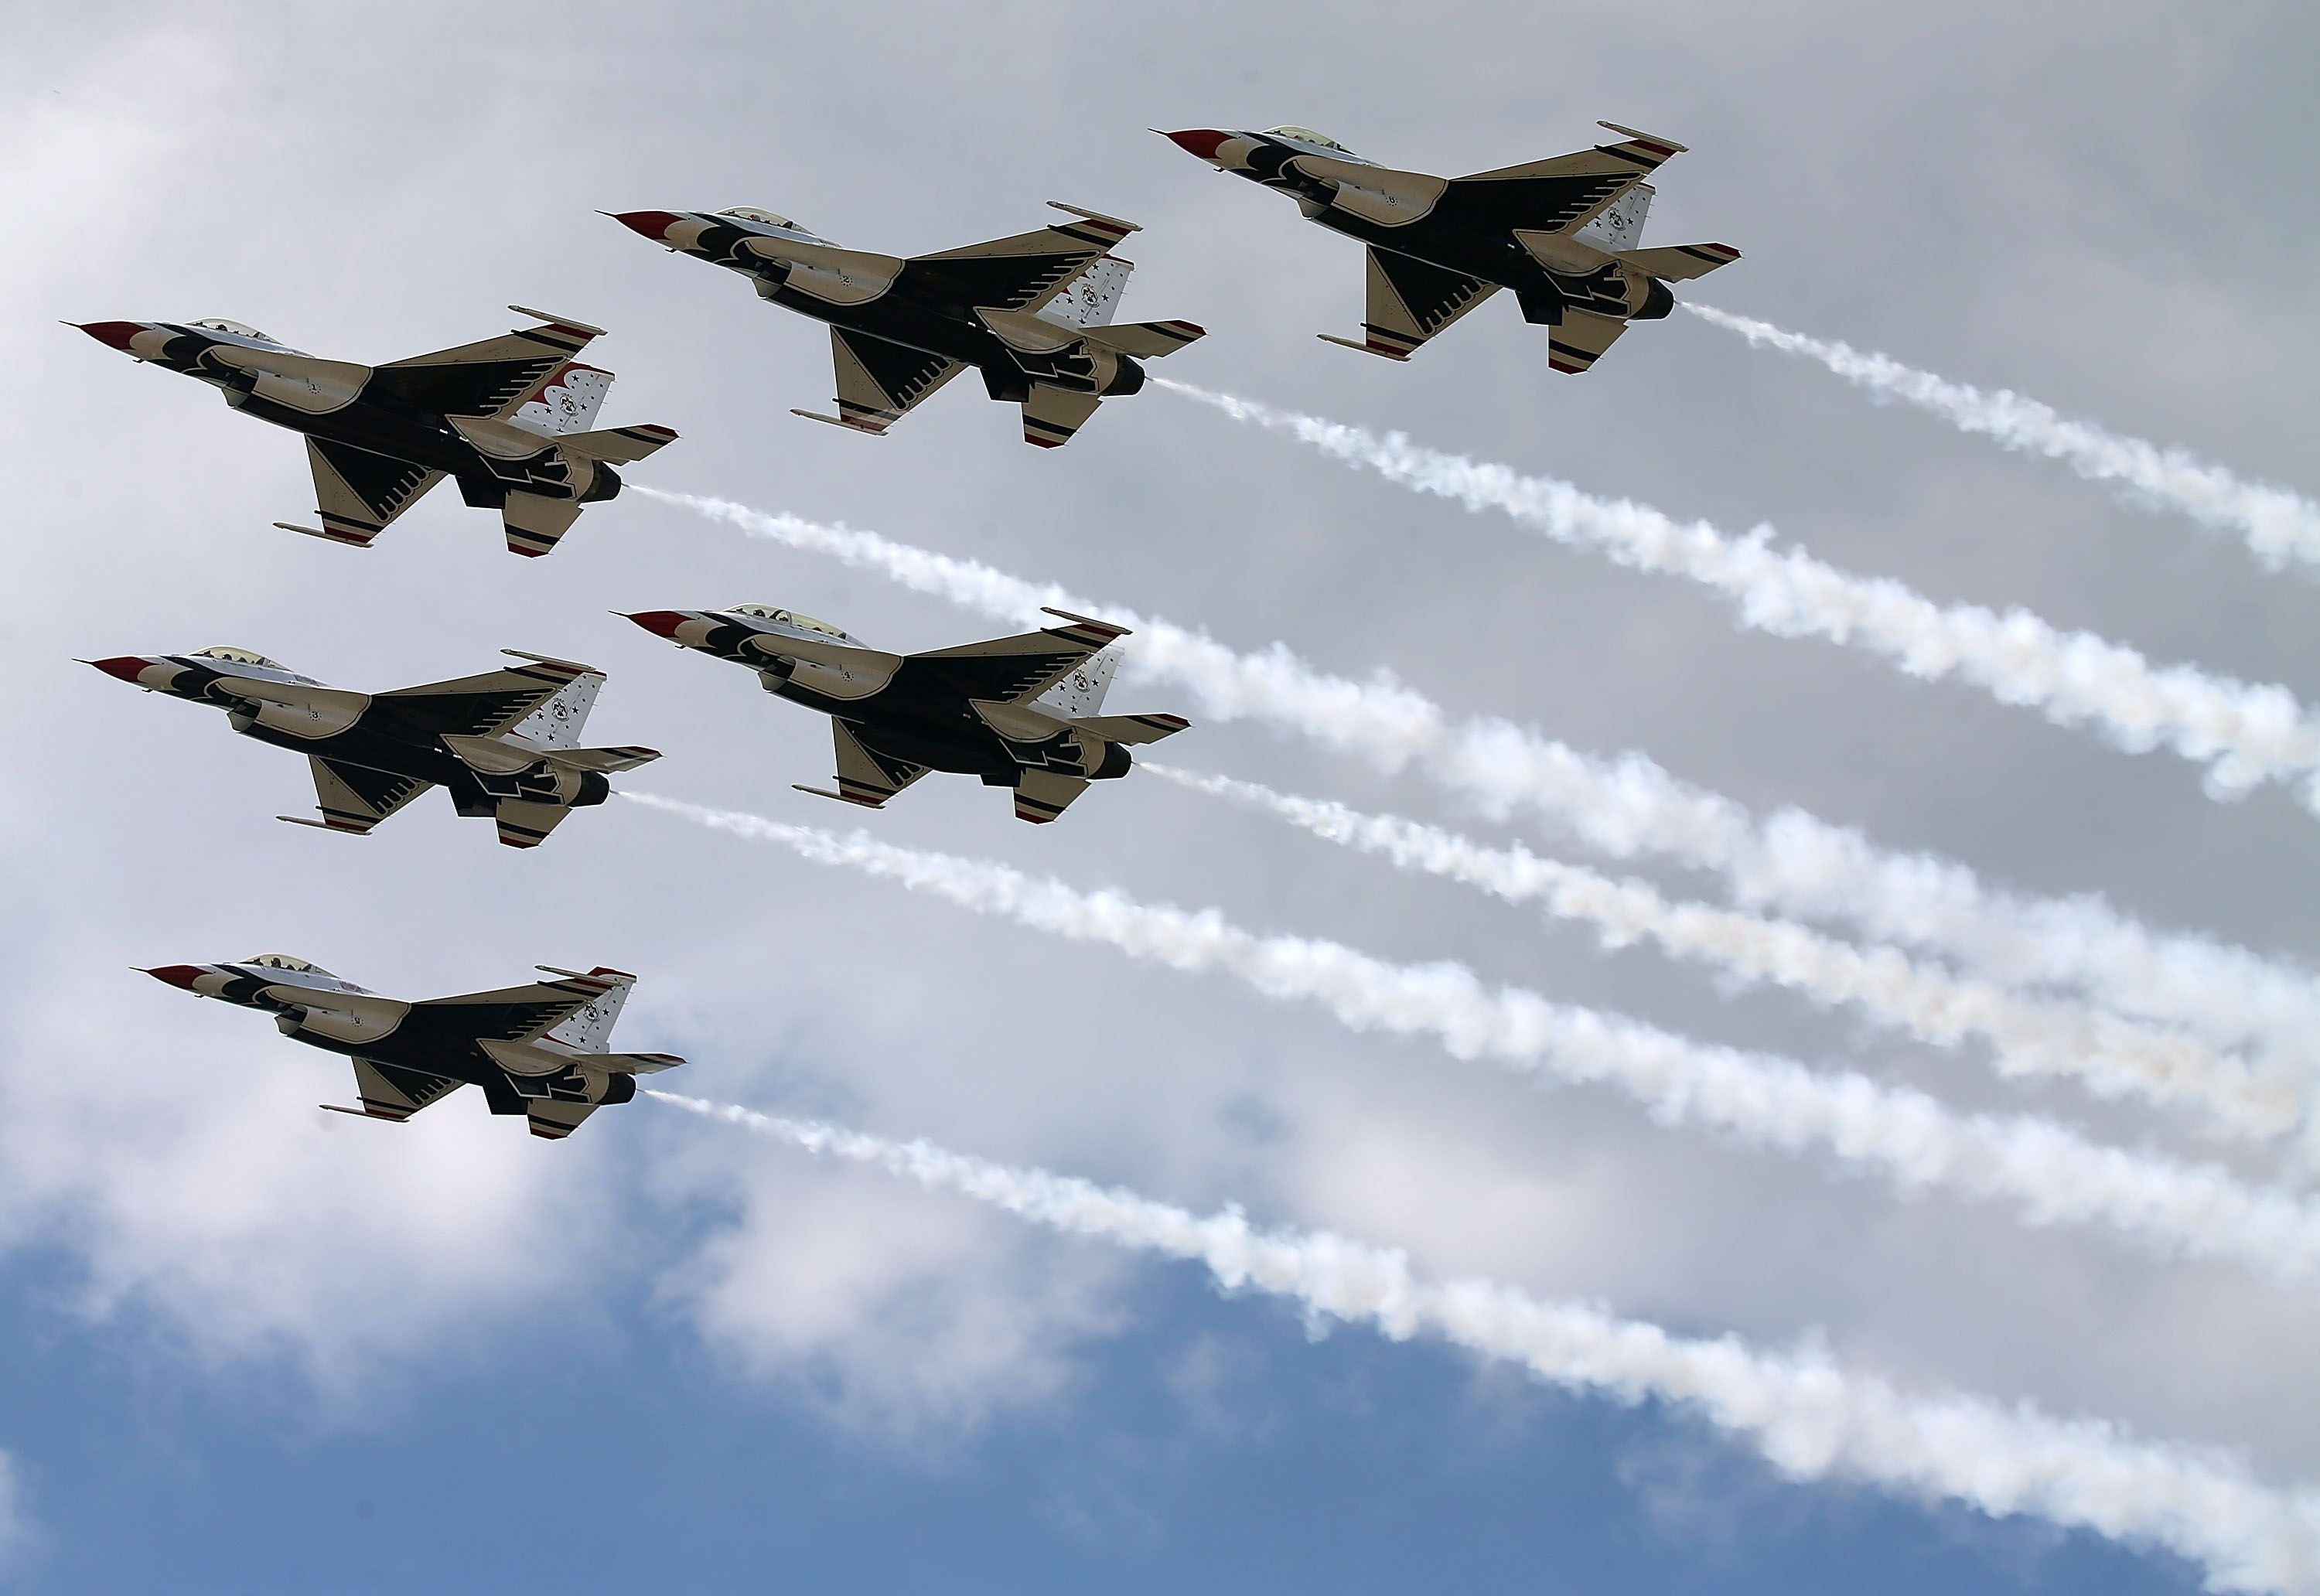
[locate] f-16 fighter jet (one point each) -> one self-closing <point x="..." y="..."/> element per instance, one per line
<point x="503" y="744"/>
<point x="1562" y="233"/>
<point x="1018" y="711"/>
<point x="1031" y="312"/>
<point x="507" y="418"/>
<point x="536" y="1050"/>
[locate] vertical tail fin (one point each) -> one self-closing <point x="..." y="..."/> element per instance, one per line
<point x="1089" y="299"/>
<point x="568" y="401"/>
<point x="558" y="721"/>
<point x="1081" y="693"/>
<point x="1618" y="225"/>
<point x="590" y="1029"/>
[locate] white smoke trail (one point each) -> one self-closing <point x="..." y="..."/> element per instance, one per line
<point x="2051" y="1174"/>
<point x="2279" y="524"/>
<point x="1805" y="1414"/>
<point x="2110" y="1057"/>
<point x="2244" y="733"/>
<point x="1628" y="806"/>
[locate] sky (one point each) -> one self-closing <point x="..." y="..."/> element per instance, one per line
<point x="260" y="1349"/>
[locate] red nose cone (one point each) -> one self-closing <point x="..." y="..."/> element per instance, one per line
<point x="1201" y="142"/>
<point x="116" y="333"/>
<point x="653" y="224"/>
<point x="127" y="667"/>
<point x="183" y="976"/>
<point x="661" y="624"/>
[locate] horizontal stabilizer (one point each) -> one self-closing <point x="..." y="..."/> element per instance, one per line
<point x="534" y="522"/>
<point x="1150" y="339"/>
<point x="1581" y="340"/>
<point x="635" y="1063"/>
<point x="510" y="752"/>
<point x="1052" y="416"/>
<point x="606" y="761"/>
<point x="1040" y="795"/>
<point x="1132" y="728"/>
<point x="532" y="1061"/>
<point x="620" y="445"/>
<point x="525" y="824"/>
<point x="1678" y="263"/>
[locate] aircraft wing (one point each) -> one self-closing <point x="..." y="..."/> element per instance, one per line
<point x="353" y="799"/>
<point x="1410" y="301"/>
<point x="1581" y="340"/>
<point x="495" y="378"/>
<point x="483" y="705"/>
<point x="866" y="778"/>
<point x="509" y="1013"/>
<point x="388" y="1092"/>
<point x="1020" y="669"/>
<point x="879" y="381"/>
<point x="1020" y="273"/>
<point x="357" y="492"/>
<point x="1040" y="795"/>
<point x="1560" y="194"/>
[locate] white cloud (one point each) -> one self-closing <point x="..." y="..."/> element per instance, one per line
<point x="892" y="1313"/>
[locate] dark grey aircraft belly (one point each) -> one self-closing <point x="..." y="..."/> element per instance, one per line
<point x="369" y="750"/>
<point x="950" y="330"/>
<point x="1494" y="258"/>
<point x="380" y="432"/>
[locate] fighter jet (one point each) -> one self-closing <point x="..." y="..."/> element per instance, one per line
<point x="1562" y="233"/>
<point x="1018" y="711"/>
<point x="1031" y="312"/>
<point x="536" y="1050"/>
<point x="507" y="418"/>
<point x="504" y="743"/>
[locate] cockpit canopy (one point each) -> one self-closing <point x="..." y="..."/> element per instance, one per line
<point x="219" y="324"/>
<point x="790" y="618"/>
<point x="751" y="214"/>
<point x="282" y="961"/>
<point x="1307" y="136"/>
<point x="238" y="656"/>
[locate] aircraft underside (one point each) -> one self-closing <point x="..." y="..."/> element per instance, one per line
<point x="484" y="481"/>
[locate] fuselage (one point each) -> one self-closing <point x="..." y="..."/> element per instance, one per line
<point x="909" y="708"/>
<point x="907" y="303"/>
<point x="362" y="408"/>
<point x="313" y="1006"/>
<point x="1443" y="231"/>
<point x="372" y="733"/>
